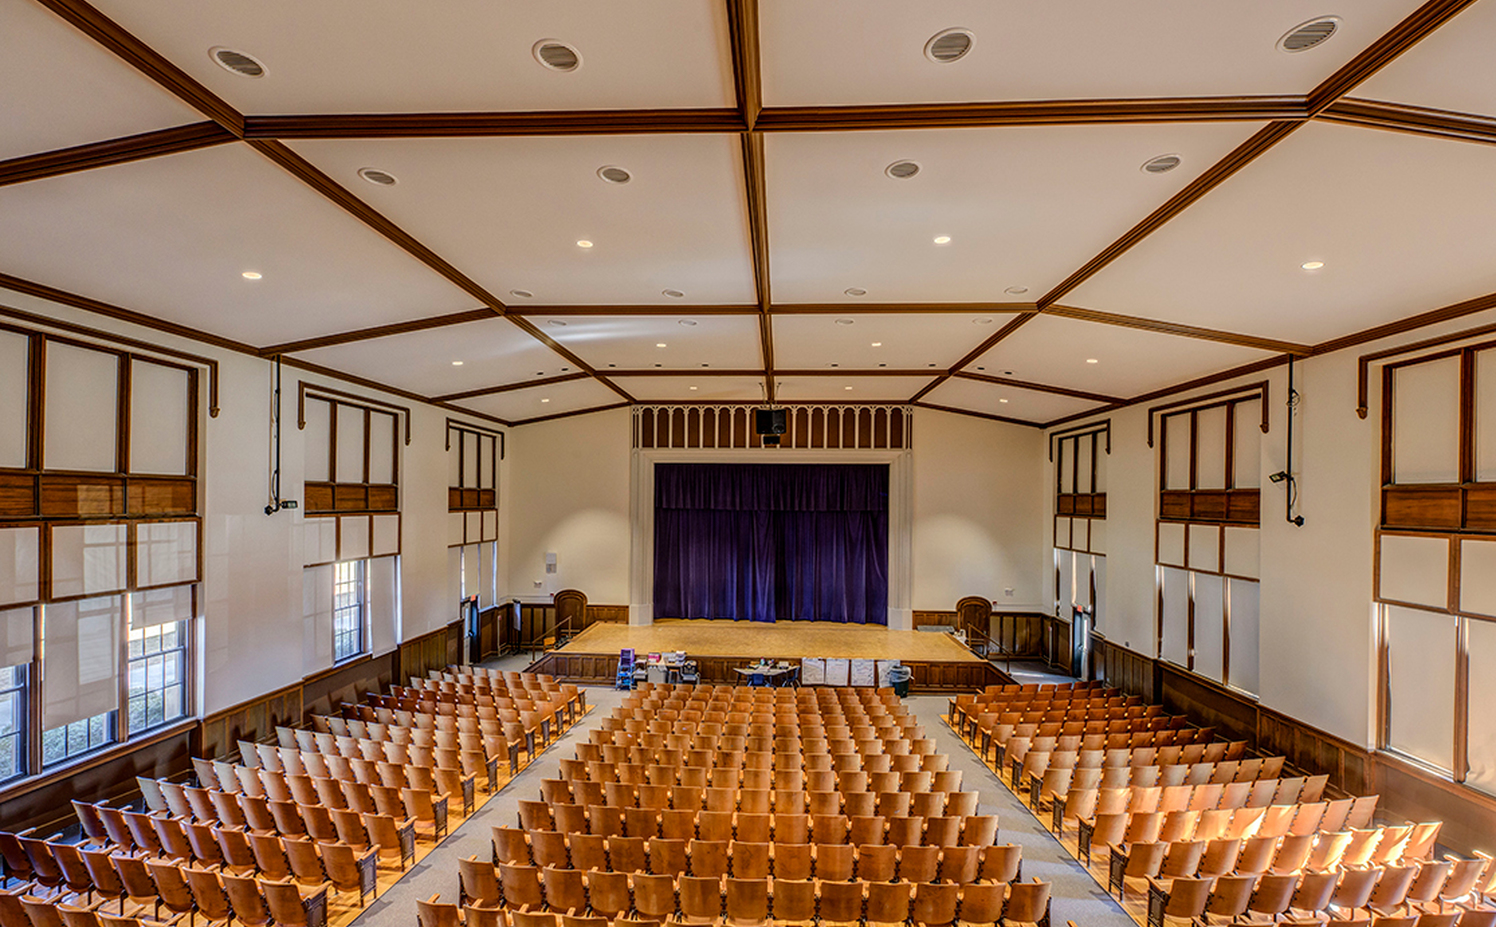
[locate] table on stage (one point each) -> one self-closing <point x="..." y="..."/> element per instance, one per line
<point x="772" y="675"/>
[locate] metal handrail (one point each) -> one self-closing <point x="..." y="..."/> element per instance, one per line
<point x="991" y="644"/>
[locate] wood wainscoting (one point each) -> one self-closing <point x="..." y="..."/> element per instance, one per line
<point x="537" y="621"/>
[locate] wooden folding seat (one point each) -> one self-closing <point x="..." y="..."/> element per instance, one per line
<point x="887" y="902"/>
<point x="1256" y="854"/>
<point x="791" y="828"/>
<point x="1219" y="857"/>
<point x="392" y="837"/>
<point x="905" y="831"/>
<point x="1133" y="860"/>
<point x="1421" y="842"/>
<point x="943" y="831"/>
<point x="627" y="854"/>
<point x="589" y="852"/>
<point x="754" y="828"/>
<point x="678" y="824"/>
<point x="792" y="860"/>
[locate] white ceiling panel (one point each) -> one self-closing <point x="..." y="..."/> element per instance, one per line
<point x="510" y="211"/>
<point x="873" y="51"/>
<point x="1129" y="361"/>
<point x="1452" y="69"/>
<point x="634" y="342"/>
<point x="834" y="389"/>
<point x="1402" y="223"/>
<point x="492" y="353"/>
<point x="380" y="56"/>
<point x="1023" y="207"/>
<point x="1010" y="402"/>
<point x="534" y="402"/>
<point x="899" y="341"/>
<point x="63" y="89"/>
<point x="693" y="389"/>
<point x="171" y="237"/>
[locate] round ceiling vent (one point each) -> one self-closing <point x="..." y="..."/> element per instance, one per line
<point x="689" y="323"/>
<point x="673" y="294"/>
<point x="375" y="175"/>
<point x="949" y="45"/>
<point x="1016" y="290"/>
<point x="902" y="170"/>
<point x="1161" y="164"/>
<point x="522" y="294"/>
<point x="983" y="320"/>
<point x="614" y="174"/>
<point x="1307" y="35"/>
<point x="855" y="291"/>
<point x="558" y="56"/>
<point x="557" y="322"/>
<point x="845" y="321"/>
<point x="237" y="61"/>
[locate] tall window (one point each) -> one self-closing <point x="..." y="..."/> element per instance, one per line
<point x="473" y="456"/>
<point x="158" y="675"/>
<point x="348" y="610"/>
<point x="1207" y="539"/>
<point x="1435" y="569"/>
<point x="12" y="722"/>
<point x="1080" y="520"/>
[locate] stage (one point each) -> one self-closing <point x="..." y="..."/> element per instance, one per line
<point x="940" y="662"/>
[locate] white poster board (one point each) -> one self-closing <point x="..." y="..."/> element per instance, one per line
<point x="837" y="672"/>
<point x="883" y="667"/>
<point x="864" y="673"/>
<point x="812" y="671"/>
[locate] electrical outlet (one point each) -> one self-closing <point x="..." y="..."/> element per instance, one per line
<point x="1008" y="591"/>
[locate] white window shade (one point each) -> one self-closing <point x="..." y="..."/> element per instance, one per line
<point x="1098" y="535"/>
<point x="1210" y="625"/>
<point x="1205" y="548"/>
<point x="317" y="440"/>
<point x="1426" y="422"/>
<point x="386" y="535"/>
<point x="1243" y="551"/>
<point x="316" y="612"/>
<point x="80" y="656"/>
<point x="1171" y="543"/>
<point x="1083" y="465"/>
<point x="350" y="464"/>
<point x="1478" y="578"/>
<point x="1083" y="580"/>
<point x="165" y="553"/>
<point x="1178" y="438"/>
<point x="158" y="419"/>
<point x="486" y="575"/>
<point x="1176" y="612"/>
<point x="384" y="603"/>
<point x="160" y="606"/>
<point x="18" y="641"/>
<point x="88" y="559"/>
<point x="1415" y="570"/>
<point x="1421" y="657"/>
<point x="454" y="576"/>
<point x="1244" y="634"/>
<point x="490" y="526"/>
<point x="353" y="537"/>
<point x="455" y="533"/>
<point x="15" y="377"/>
<point x="471" y="569"/>
<point x="1248" y="440"/>
<point x="1098" y="608"/>
<point x="82" y="411"/>
<point x="1482" y="753"/>
<point x="1485" y="416"/>
<point x="1210" y="444"/>
<point x="319" y="540"/>
<point x="381" y="447"/>
<point x="20" y="564"/>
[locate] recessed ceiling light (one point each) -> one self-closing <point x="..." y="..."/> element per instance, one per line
<point x="1312" y="265"/>
<point x="1161" y="164"/>
<point x="659" y="365"/>
<point x="1002" y="400"/>
<point x="376" y="176"/>
<point x="251" y="275"/>
<point x="877" y="344"/>
<point x="942" y="239"/>
<point x="1307" y="35"/>
<point x="1016" y="290"/>
<point x="902" y="170"/>
<point x="584" y="243"/>
<point x="545" y="400"/>
<point x="949" y="45"/>
<point x="981" y="368"/>
<point x="522" y="294"/>
<point x="558" y="56"/>
<point x="689" y="323"/>
<point x="612" y="365"/>
<point x="1007" y="373"/>
<point x="882" y="365"/>
<point x="237" y="62"/>
<point x="1092" y="360"/>
<point x="614" y="174"/>
<point x="846" y="387"/>
<point x="556" y="322"/>
<point x="673" y="294"/>
<point x="660" y="344"/>
<point x="693" y="389"/>
<point x="833" y="365"/>
<point x="565" y="369"/>
<point x="845" y="321"/>
<point x="540" y="373"/>
<point x="855" y="291"/>
<point x="981" y="320"/>
<point x="457" y="363"/>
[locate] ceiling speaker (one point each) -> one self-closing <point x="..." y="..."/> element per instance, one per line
<point x="770" y="421"/>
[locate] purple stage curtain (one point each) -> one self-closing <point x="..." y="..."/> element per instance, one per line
<point x="769" y="542"/>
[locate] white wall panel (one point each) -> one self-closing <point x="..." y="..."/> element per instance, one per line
<point x="487" y="458"/>
<point x="1478" y="577"/>
<point x="454" y="456"/>
<point x="15" y="373"/>
<point x="1101" y="459"/>
<point x="1247" y="438"/>
<point x="1205" y="547"/>
<point x="1415" y="569"/>
<point x="474" y="526"/>
<point x="1062" y="531"/>
<point x="1176" y="433"/>
<point x="382" y="446"/>
<point x="353" y="537"/>
<point x="384" y="603"/>
<point x="1098" y="536"/>
<point x="1171" y="543"/>
<point x="386" y="535"/>
<point x="455" y="528"/>
<point x="1243" y="551"/>
<point x="158" y="419"/>
<point x="1481" y="640"/>
<point x="1176" y="603"/>
<point x="1426" y="422"/>
<point x="317" y="441"/>
<point x="82" y="409"/>
<point x="350" y="466"/>
<point x="490" y="526"/>
<point x="1421" y="655"/>
<point x="1210" y="625"/>
<point x="165" y="552"/>
<point x="319" y="540"/>
<point x="1067" y="454"/>
<point x="88" y="559"/>
<point x="316" y="613"/>
<point x="1210" y="440"/>
<point x="1485" y="416"/>
<point x="1083" y="481"/>
<point x="80" y="657"/>
<point x="1245" y="609"/>
<point x="20" y="564"/>
<point x="470" y="464"/>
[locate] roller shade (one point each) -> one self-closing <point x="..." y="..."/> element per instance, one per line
<point x="80" y="655"/>
<point x="384" y="603"/>
<point x="316" y="610"/>
<point x="160" y="606"/>
<point x="88" y="559"/>
<point x="19" y="564"/>
<point x="17" y="638"/>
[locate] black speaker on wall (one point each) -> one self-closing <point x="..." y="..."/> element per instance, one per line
<point x="770" y="421"/>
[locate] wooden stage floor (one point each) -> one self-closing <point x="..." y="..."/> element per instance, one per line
<point x="781" y="640"/>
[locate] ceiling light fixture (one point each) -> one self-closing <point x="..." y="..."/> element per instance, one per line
<point x="949" y="45"/>
<point x="251" y="275"/>
<point x="855" y="291"/>
<point x="237" y="62"/>
<point x="902" y="170"/>
<point x="1312" y="265"/>
<point x="376" y="176"/>
<point x="1092" y="360"/>
<point x="1003" y="401"/>
<point x="457" y="363"/>
<point x="558" y="56"/>
<point x="584" y="243"/>
<point x="522" y="294"/>
<point x="693" y="389"/>
<point x="613" y="174"/>
<point x="877" y="344"/>
<point x="1161" y="164"/>
<point x="660" y="344"/>
<point x="545" y="400"/>
<point x="942" y="239"/>
<point x="846" y="387"/>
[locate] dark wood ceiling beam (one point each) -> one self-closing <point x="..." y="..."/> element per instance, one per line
<point x="1176" y="328"/>
<point x="666" y="310"/>
<point x="758" y="234"/>
<point x="1036" y="387"/>
<point x="891" y="308"/>
<point x="113" y="151"/>
<point x="1413" y="29"/>
<point x="551" y="418"/>
<point x="94" y="24"/>
<point x="307" y="173"/>
<point x="987" y="344"/>
<point x="742" y="24"/>
<point x="384" y="388"/>
<point x="377" y="331"/>
<point x="511" y="387"/>
<point x="1267" y="363"/>
<point x="1031" y="113"/>
<point x="984" y="415"/>
<point x="1415" y="120"/>
<point x="535" y="332"/>
<point x="1433" y="317"/>
<point x="478" y="125"/>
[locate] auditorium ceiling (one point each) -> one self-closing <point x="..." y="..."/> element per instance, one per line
<point x="528" y="208"/>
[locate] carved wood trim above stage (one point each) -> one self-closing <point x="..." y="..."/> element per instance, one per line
<point x="820" y="426"/>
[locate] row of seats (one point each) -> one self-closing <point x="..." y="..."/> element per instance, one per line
<point x="732" y="768"/>
<point x="801" y="800"/>
<point x="1051" y="779"/>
